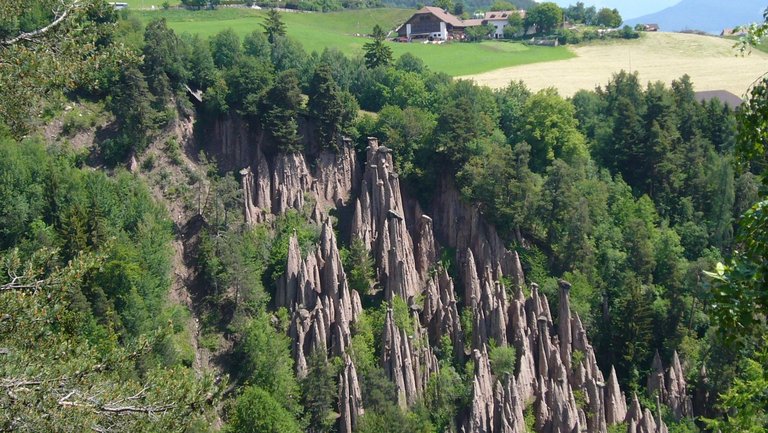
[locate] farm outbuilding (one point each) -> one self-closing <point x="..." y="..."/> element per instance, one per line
<point x="435" y="23"/>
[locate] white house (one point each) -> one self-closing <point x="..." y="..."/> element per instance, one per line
<point x="499" y="20"/>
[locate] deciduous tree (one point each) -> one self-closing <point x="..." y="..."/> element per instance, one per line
<point x="545" y="17"/>
<point x="607" y="17"/>
<point x="53" y="45"/>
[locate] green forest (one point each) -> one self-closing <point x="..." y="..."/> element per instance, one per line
<point x="137" y="295"/>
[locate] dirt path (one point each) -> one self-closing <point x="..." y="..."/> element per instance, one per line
<point x="711" y="62"/>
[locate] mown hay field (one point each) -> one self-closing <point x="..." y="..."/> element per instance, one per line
<point x="711" y="62"/>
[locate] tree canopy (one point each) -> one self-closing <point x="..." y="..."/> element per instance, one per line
<point x="544" y="17"/>
<point x="274" y="26"/>
<point x="52" y="45"/>
<point x="377" y="53"/>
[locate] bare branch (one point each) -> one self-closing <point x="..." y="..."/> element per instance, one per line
<point x="18" y="383"/>
<point x="18" y="283"/>
<point x="136" y="409"/>
<point x="30" y="36"/>
<point x="115" y="408"/>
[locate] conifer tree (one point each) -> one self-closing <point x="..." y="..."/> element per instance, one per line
<point x="273" y="25"/>
<point x="325" y="106"/>
<point x="281" y="118"/>
<point x="376" y="53"/>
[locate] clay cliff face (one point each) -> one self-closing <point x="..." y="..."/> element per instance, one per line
<point x="567" y="393"/>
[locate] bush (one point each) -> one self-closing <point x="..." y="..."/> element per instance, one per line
<point x="569" y="37"/>
<point x="401" y="313"/>
<point x="359" y="266"/>
<point x="629" y="33"/>
<point x="79" y="121"/>
<point x="503" y="360"/>
<point x="173" y="150"/>
<point x="266" y="360"/>
<point x="115" y="150"/>
<point x="256" y="411"/>
<point x="149" y="162"/>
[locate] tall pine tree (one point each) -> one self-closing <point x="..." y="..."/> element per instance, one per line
<point x="326" y="106"/>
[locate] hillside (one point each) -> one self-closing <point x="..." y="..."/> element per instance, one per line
<point x="344" y="31"/>
<point x="711" y="62"/>
<point x="711" y="16"/>
<point x="332" y="244"/>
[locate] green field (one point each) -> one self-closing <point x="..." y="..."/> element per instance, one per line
<point x="317" y="31"/>
<point x="146" y="4"/>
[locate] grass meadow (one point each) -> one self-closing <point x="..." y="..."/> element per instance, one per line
<point x="317" y="31"/>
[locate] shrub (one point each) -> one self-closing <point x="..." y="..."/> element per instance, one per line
<point x="502" y="360"/>
<point x="359" y="266"/>
<point x="78" y="121"/>
<point x="173" y="150"/>
<point x="256" y="411"/>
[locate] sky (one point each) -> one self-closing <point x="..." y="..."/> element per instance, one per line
<point x="627" y="8"/>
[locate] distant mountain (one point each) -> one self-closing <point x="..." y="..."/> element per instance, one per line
<point x="627" y="9"/>
<point x="707" y="15"/>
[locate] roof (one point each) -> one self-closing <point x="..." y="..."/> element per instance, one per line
<point x="502" y="15"/>
<point x="442" y="15"/>
<point x="724" y="96"/>
<point x="472" y="22"/>
<point x="448" y="18"/>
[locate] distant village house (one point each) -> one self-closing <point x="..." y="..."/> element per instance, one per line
<point x="648" y="27"/>
<point x="499" y="20"/>
<point x="434" y="23"/>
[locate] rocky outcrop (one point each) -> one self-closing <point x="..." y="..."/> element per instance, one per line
<point x="350" y="397"/>
<point x="677" y="394"/>
<point x="315" y="290"/>
<point x="670" y="386"/>
<point x="615" y="402"/>
<point x="564" y="323"/>
<point x="656" y="385"/>
<point x="508" y="407"/>
<point x="459" y="225"/>
<point x="406" y="358"/>
<point x="287" y="182"/>
<point x="568" y="394"/>
<point x="380" y="223"/>
<point x="701" y="396"/>
<point x="440" y="313"/>
<point x="481" y="419"/>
